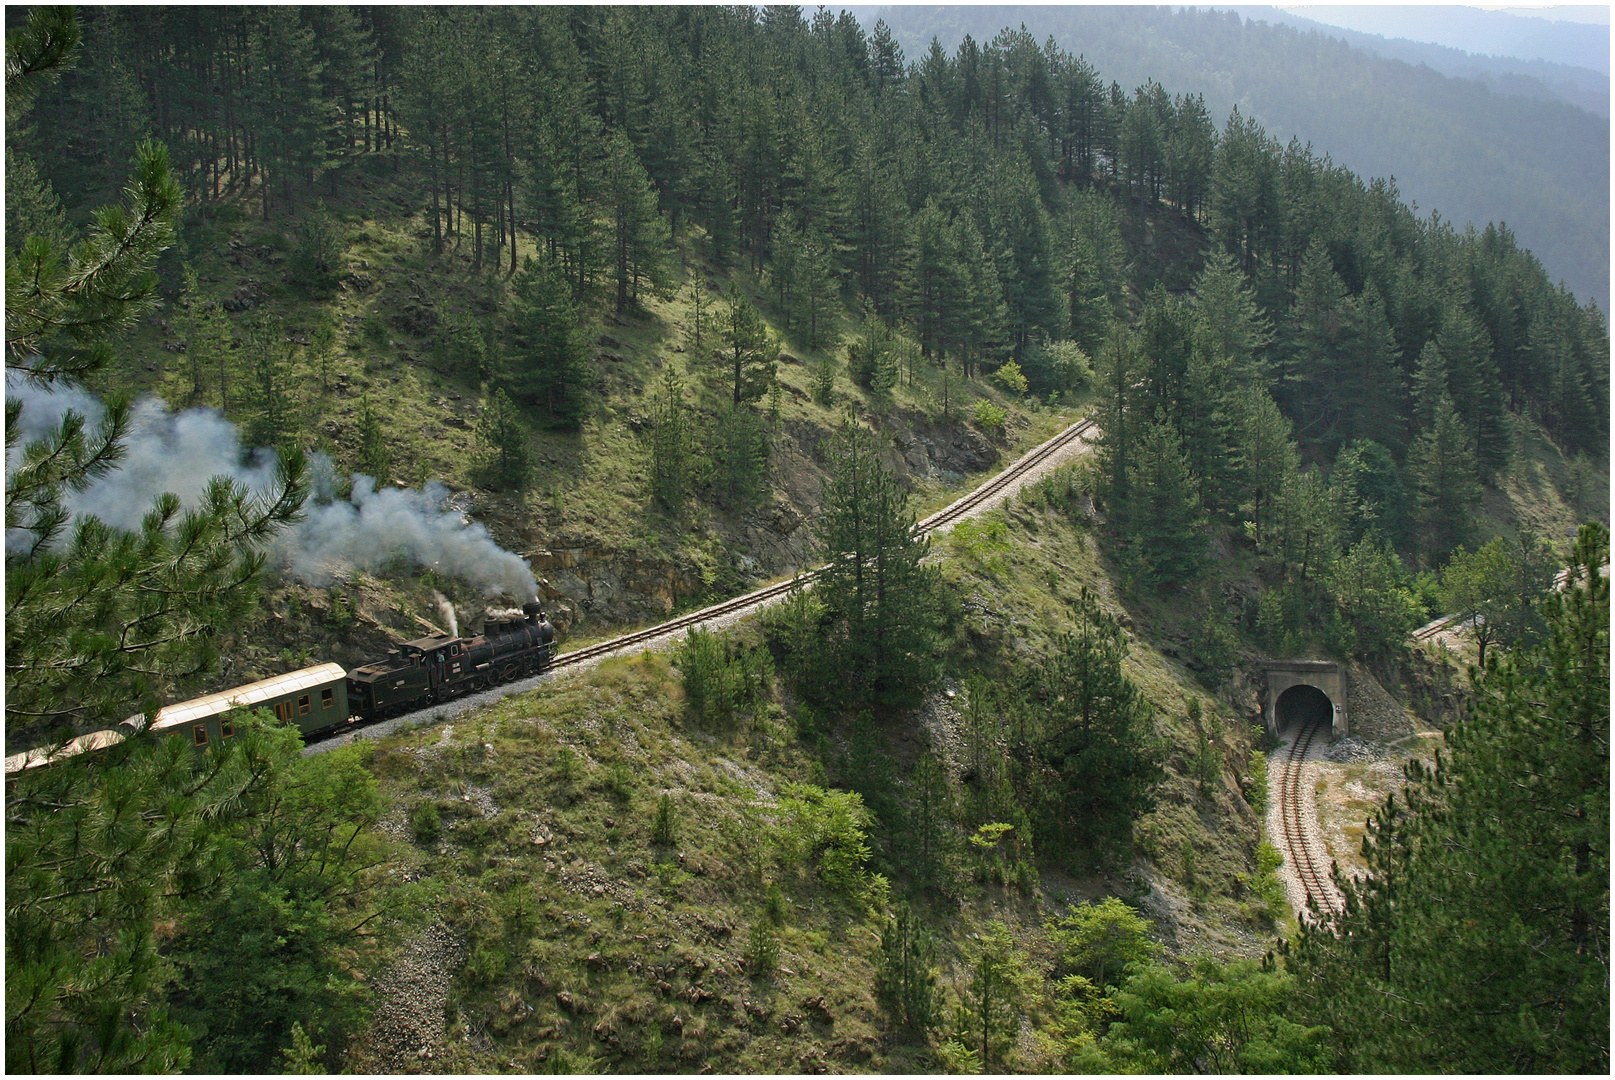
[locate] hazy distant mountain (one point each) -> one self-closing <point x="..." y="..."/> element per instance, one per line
<point x="1485" y="33"/>
<point x="1582" y="87"/>
<point x="1453" y="145"/>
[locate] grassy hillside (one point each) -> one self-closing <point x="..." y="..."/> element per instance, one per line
<point x="588" y="936"/>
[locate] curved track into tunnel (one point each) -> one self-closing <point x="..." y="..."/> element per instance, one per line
<point x="1304" y="849"/>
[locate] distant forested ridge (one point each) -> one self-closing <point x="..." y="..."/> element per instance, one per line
<point x="1586" y="87"/>
<point x="1452" y="145"/>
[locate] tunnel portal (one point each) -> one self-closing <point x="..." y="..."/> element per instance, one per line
<point x="1299" y="691"/>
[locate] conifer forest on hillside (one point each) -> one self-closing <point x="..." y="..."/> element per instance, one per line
<point x="333" y="326"/>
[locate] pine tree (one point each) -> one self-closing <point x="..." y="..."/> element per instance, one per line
<point x="1441" y="468"/>
<point x="747" y="355"/>
<point x="1429" y="386"/>
<point x="1092" y="728"/>
<point x="1369" y="492"/>
<point x="1228" y="321"/>
<point x="374" y="459"/>
<point x="504" y="440"/>
<point x="1266" y="457"/>
<point x="97" y="622"/>
<point x="1478" y="940"/>
<point x="1166" y="526"/>
<point x="739" y="457"/>
<point x="672" y="443"/>
<point x="639" y="238"/>
<point x="1000" y="986"/>
<point x="550" y="358"/>
<point x="882" y="606"/>
<point x="209" y="341"/>
<point x="1370" y="588"/>
<point x="1476" y="389"/>
<point x="905" y="979"/>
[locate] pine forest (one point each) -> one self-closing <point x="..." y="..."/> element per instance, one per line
<point x="412" y="393"/>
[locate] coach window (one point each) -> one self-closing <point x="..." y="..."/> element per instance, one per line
<point x="199" y="733"/>
<point x="226" y="729"/>
<point x="302" y="705"/>
<point x="326" y="700"/>
<point x="283" y="710"/>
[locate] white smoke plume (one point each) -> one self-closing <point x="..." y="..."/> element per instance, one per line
<point x="451" y="618"/>
<point x="181" y="452"/>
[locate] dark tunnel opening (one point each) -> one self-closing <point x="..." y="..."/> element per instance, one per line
<point x="1302" y="705"/>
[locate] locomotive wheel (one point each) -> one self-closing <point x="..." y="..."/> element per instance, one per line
<point x="508" y="672"/>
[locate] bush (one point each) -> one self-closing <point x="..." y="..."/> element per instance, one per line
<point x="721" y="675"/>
<point x="1257" y="796"/>
<point x="1060" y="367"/>
<point x="990" y="418"/>
<point x="425" y="823"/>
<point x="830" y="828"/>
<point x="1010" y="377"/>
<point x="664" y="830"/>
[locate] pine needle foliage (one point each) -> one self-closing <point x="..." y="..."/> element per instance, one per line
<point x="1479" y="940"/>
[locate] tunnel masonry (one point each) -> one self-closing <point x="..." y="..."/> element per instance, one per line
<point x="1324" y="676"/>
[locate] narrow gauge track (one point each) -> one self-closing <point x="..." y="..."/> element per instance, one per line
<point x="1298" y="848"/>
<point x="1030" y="462"/>
<point x="1430" y="630"/>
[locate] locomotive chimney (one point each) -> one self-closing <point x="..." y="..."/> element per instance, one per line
<point x="533" y="611"/>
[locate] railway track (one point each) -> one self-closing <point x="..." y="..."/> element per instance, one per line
<point x="1023" y="468"/>
<point x="942" y="519"/>
<point x="1429" y="630"/>
<point x="1300" y="841"/>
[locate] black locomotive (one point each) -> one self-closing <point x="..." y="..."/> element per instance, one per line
<point x="431" y="669"/>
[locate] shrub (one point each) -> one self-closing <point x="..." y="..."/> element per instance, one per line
<point x="1010" y="377"/>
<point x="990" y="418"/>
<point x="722" y="676"/>
<point x="830" y="828"/>
<point x="425" y="823"/>
<point x="664" y="830"/>
<point x="1057" y="368"/>
<point x="1257" y="796"/>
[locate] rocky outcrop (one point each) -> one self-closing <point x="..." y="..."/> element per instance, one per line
<point x="1374" y="715"/>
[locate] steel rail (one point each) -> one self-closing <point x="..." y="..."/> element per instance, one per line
<point x="1314" y="882"/>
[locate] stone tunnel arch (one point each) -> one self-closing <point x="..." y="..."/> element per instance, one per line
<point x="1307" y="678"/>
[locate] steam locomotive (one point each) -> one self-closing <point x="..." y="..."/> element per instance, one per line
<point x="323" y="698"/>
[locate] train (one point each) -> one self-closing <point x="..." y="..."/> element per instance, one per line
<point x="324" y="698"/>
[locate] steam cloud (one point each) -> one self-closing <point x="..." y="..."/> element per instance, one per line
<point x="181" y="452"/>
